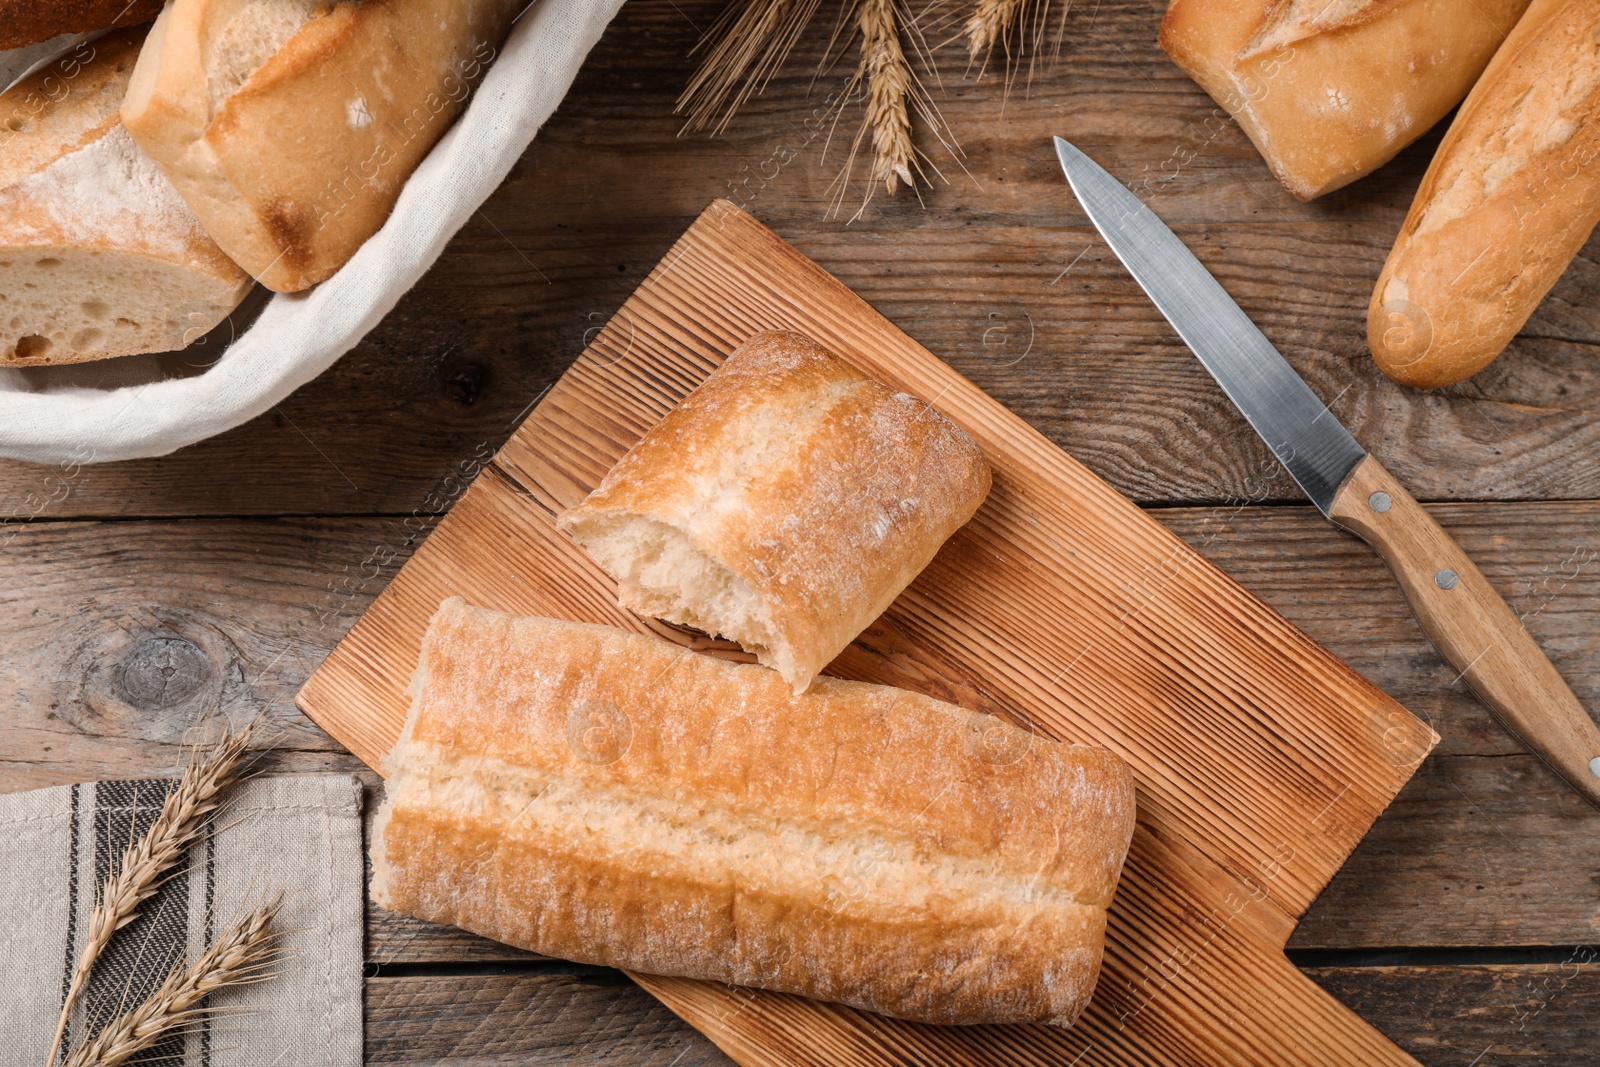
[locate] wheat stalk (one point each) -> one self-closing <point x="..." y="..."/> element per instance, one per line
<point x="750" y="40"/>
<point x="180" y="823"/>
<point x="896" y="101"/>
<point x="241" y="955"/>
<point x="989" y="25"/>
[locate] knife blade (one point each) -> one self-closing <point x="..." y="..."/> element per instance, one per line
<point x="1470" y="624"/>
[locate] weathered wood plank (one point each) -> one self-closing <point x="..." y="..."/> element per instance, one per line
<point x="125" y="642"/>
<point x="559" y="1020"/>
<point x="241" y="592"/>
<point x="973" y="271"/>
<point x="1445" y="1016"/>
<point x="1480" y="1016"/>
<point x="1476" y="850"/>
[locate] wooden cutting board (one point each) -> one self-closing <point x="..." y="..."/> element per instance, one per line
<point x="1261" y="759"/>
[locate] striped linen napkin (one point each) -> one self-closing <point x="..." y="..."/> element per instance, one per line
<point x="300" y="834"/>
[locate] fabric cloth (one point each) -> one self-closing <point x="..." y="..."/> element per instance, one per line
<point x="21" y="61"/>
<point x="58" y="418"/>
<point x="300" y="834"/>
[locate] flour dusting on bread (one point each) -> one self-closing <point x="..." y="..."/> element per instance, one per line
<point x="110" y="191"/>
<point x="99" y="256"/>
<point x="615" y="799"/>
<point x="1510" y="198"/>
<point x="1289" y="21"/>
<point x="782" y="505"/>
<point x="1331" y="89"/>
<point x="1534" y="125"/>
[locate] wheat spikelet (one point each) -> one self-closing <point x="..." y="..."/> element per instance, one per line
<point x="750" y="40"/>
<point x="1014" y="27"/>
<point x="889" y="93"/>
<point x="896" y="102"/>
<point x="989" y="25"/>
<point x="244" y="953"/>
<point x="179" y="824"/>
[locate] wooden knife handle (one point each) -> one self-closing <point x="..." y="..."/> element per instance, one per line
<point x="1472" y="626"/>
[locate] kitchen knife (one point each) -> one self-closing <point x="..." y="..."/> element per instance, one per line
<point x="1470" y="624"/>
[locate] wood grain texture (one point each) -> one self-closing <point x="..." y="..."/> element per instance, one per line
<point x="1483" y="846"/>
<point x="125" y="643"/>
<point x="1060" y="605"/>
<point x="1445" y="1016"/>
<point x="1480" y="1016"/>
<point x="975" y="271"/>
<point x="547" y="1020"/>
<point x="1478" y="849"/>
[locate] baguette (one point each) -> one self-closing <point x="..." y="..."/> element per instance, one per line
<point x="290" y="126"/>
<point x="784" y="504"/>
<point x="27" y="22"/>
<point x="615" y="799"/>
<point x="1330" y="91"/>
<point x="1510" y="199"/>
<point x="99" y="256"/>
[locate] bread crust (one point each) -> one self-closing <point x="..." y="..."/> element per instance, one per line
<point x="823" y="491"/>
<point x="1328" y="92"/>
<point x="1510" y="198"/>
<point x="25" y="22"/>
<point x="83" y="215"/>
<point x="615" y="799"/>
<point x="294" y="169"/>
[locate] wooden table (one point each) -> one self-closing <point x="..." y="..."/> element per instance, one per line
<point x="140" y="602"/>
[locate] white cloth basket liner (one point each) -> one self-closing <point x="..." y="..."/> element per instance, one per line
<point x="56" y="418"/>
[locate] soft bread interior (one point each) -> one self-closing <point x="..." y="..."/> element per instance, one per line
<point x="659" y="569"/>
<point x="99" y="255"/>
<point x="660" y="572"/>
<point x="65" y="305"/>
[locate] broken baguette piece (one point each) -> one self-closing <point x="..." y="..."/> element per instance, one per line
<point x="99" y="256"/>
<point x="783" y="504"/>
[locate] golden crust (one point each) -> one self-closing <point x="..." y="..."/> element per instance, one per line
<point x="25" y="22"/>
<point x="615" y="799"/>
<point x="1328" y="92"/>
<point x="824" y="491"/>
<point x="86" y="220"/>
<point x="296" y="168"/>
<point x="1510" y="198"/>
<point x="65" y="108"/>
<point x="65" y="104"/>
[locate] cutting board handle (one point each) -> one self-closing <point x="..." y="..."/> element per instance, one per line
<point x="1472" y="626"/>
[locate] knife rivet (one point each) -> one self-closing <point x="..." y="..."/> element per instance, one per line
<point x="1594" y="766"/>
<point x="1380" y="501"/>
<point x="1445" y="579"/>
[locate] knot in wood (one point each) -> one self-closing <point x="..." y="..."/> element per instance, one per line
<point x="161" y="672"/>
